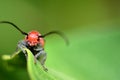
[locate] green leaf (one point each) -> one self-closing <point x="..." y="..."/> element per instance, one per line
<point x="14" y="61"/>
<point x="35" y="70"/>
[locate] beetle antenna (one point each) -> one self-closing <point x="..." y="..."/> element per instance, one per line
<point x="14" y="26"/>
<point x="59" y="33"/>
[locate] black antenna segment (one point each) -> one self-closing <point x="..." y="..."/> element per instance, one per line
<point x="24" y="33"/>
<point x="58" y="33"/>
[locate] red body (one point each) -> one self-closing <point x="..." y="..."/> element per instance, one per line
<point x="33" y="38"/>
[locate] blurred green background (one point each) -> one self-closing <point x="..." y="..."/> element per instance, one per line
<point x="92" y="27"/>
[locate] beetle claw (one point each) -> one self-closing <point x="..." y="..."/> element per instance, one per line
<point x="45" y="69"/>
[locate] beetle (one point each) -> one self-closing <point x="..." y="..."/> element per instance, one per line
<point x="35" y="42"/>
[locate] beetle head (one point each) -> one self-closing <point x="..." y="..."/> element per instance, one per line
<point x="33" y="38"/>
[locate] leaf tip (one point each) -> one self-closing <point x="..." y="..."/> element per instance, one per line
<point x="6" y="57"/>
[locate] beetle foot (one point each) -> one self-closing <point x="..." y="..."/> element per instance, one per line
<point x="45" y="69"/>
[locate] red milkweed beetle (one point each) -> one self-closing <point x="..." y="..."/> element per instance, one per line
<point x="34" y="41"/>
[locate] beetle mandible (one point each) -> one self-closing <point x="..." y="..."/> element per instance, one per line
<point x="34" y="41"/>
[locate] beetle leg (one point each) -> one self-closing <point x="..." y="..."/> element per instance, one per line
<point x="21" y="45"/>
<point x="41" y="56"/>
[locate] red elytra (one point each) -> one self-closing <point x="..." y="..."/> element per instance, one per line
<point x="33" y="38"/>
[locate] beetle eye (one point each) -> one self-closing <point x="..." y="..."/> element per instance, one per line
<point x="27" y="37"/>
<point x="38" y="39"/>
